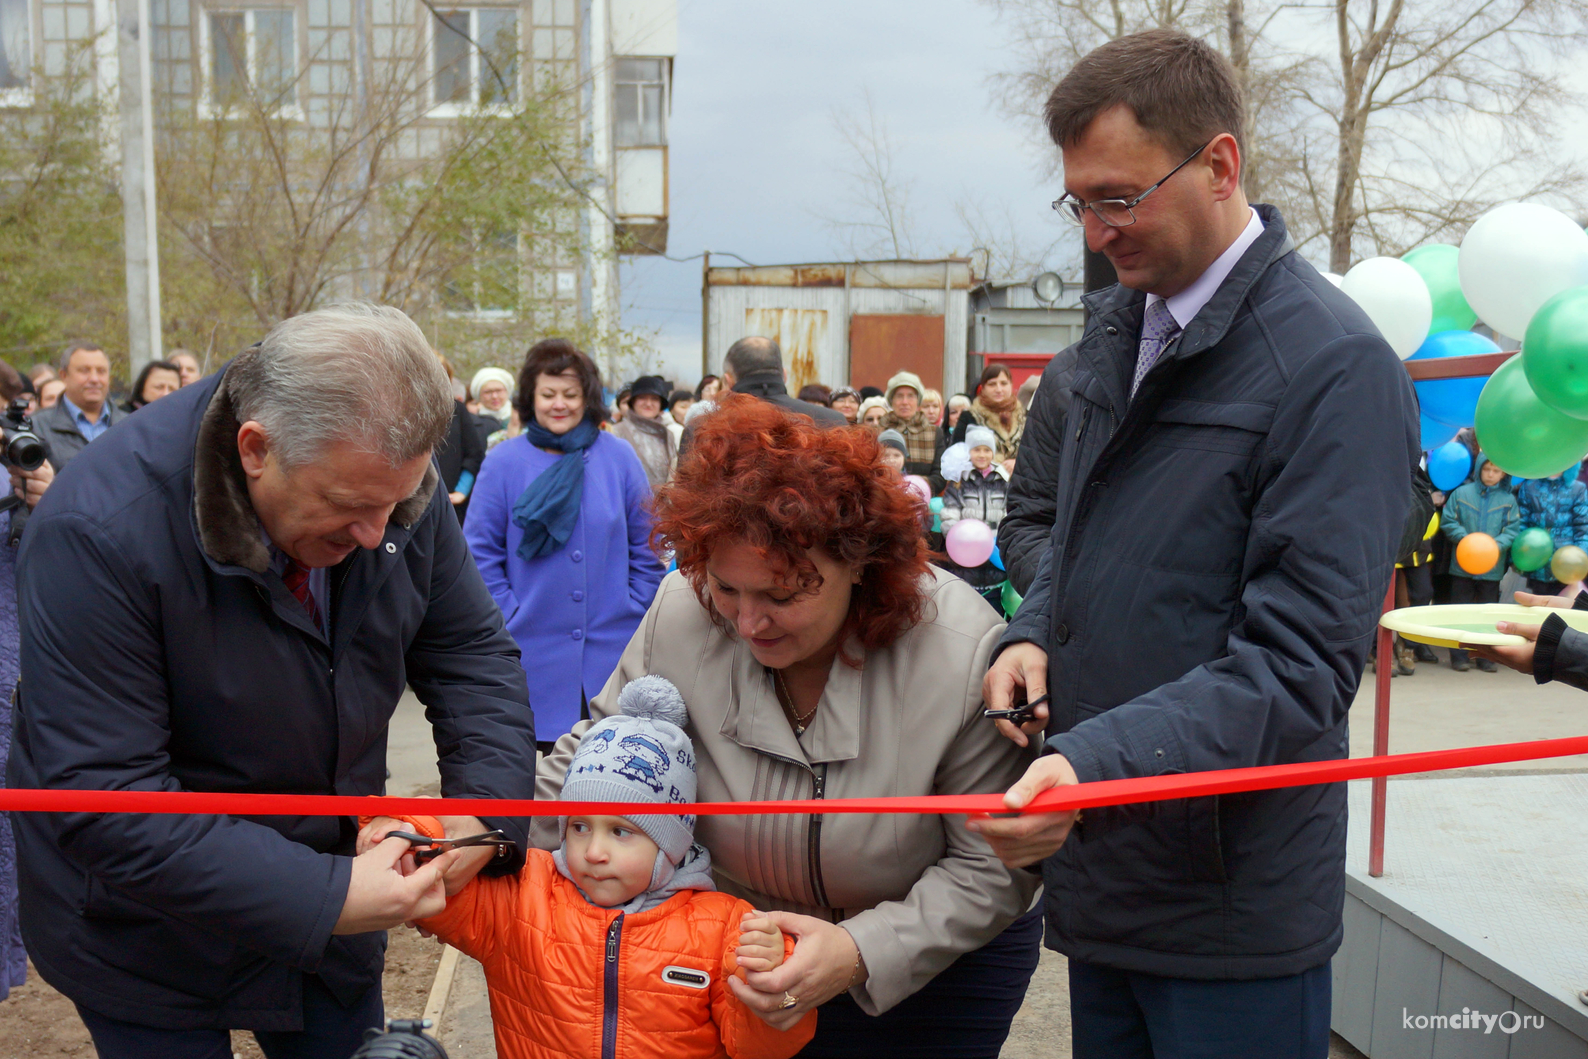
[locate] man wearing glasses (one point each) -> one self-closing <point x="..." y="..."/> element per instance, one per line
<point x="1227" y="488"/>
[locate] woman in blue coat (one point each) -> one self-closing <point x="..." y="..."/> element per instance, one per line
<point x="559" y="523"/>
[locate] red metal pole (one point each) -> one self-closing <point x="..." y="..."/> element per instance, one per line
<point x="1381" y="711"/>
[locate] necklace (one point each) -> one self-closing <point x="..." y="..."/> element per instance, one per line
<point x="787" y="699"/>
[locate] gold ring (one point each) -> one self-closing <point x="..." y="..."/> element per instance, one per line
<point x="789" y="1000"/>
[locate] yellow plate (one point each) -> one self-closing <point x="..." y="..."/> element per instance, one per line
<point x="1472" y="623"/>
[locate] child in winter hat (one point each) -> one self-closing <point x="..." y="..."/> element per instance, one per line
<point x="620" y="934"/>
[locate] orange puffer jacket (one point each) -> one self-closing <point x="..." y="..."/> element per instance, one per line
<point x="571" y="980"/>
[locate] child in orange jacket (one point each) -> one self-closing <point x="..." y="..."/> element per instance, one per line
<point x="616" y="945"/>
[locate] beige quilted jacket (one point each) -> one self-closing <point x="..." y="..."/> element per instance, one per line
<point x="915" y="891"/>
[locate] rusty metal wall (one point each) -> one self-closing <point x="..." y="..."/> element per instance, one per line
<point x="745" y="301"/>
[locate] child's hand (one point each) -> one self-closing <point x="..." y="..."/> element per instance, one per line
<point x="760" y="943"/>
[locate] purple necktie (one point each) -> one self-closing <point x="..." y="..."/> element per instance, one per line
<point x="1158" y="329"/>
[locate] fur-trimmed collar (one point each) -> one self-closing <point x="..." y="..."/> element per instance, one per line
<point x="228" y="529"/>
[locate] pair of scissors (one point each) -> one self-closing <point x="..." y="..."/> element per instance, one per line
<point x="427" y="848"/>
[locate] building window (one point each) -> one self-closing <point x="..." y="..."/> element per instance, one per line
<point x="16" y="52"/>
<point x="474" y="57"/>
<point x="641" y="101"/>
<point x="252" y="54"/>
<point x="487" y="288"/>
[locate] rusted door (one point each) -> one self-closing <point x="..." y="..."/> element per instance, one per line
<point x="882" y="344"/>
<point x="800" y="333"/>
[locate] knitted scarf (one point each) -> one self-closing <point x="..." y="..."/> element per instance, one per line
<point x="549" y="506"/>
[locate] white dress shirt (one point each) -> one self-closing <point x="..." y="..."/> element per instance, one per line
<point x="1185" y="305"/>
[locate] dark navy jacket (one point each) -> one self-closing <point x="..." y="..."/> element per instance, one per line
<point x="1217" y="564"/>
<point x="159" y="654"/>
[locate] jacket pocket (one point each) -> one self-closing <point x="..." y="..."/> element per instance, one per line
<point x="1204" y="860"/>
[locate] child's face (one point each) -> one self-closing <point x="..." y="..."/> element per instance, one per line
<point x="981" y="457"/>
<point x="1490" y="474"/>
<point x="892" y="457"/>
<point x="610" y="859"/>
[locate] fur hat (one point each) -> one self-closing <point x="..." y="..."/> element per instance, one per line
<point x="905" y="378"/>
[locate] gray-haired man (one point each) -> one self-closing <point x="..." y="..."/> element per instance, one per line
<point x="229" y="593"/>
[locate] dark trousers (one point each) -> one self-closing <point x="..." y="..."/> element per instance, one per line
<point x="963" y="1013"/>
<point x="330" y="1031"/>
<point x="1127" y="1015"/>
<point x="1471" y="590"/>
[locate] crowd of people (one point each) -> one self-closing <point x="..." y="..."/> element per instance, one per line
<point x="1489" y="501"/>
<point x="658" y="595"/>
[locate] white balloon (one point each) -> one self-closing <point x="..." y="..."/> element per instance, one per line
<point x="1395" y="298"/>
<point x="1335" y="278"/>
<point x="1516" y="258"/>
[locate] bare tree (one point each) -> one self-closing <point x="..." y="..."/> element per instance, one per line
<point x="1438" y="110"/>
<point x="279" y="199"/>
<point x="60" y="219"/>
<point x="876" y="217"/>
<point x="1373" y="124"/>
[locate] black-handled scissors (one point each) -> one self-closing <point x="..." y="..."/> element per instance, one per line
<point x="434" y="847"/>
<point x="1020" y="714"/>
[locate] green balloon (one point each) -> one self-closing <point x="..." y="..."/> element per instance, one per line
<point x="1532" y="549"/>
<point x="1436" y="264"/>
<point x="1012" y="599"/>
<point x="1555" y="352"/>
<point x="935" y="504"/>
<point x="1522" y="435"/>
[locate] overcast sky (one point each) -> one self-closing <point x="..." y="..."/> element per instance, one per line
<point x="756" y="160"/>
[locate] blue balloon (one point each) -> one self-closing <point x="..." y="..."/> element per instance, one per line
<point x="996" y="559"/>
<point x="1436" y="434"/>
<point x="1449" y="465"/>
<point x="1453" y="402"/>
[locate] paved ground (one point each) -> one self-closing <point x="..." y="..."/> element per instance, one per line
<point x="1434" y="709"/>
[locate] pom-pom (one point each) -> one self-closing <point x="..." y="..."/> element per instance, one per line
<point x="654" y="697"/>
<point x="956" y="462"/>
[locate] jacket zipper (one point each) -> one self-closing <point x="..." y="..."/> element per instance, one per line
<point x="815" y="841"/>
<point x="609" y="991"/>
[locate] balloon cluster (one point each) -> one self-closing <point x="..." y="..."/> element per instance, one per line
<point x="1523" y="270"/>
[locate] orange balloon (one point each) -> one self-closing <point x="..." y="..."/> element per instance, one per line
<point x="1476" y="553"/>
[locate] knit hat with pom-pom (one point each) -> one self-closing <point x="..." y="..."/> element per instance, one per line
<point x="640" y="755"/>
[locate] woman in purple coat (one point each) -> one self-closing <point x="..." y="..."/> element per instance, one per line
<point x="559" y="523"/>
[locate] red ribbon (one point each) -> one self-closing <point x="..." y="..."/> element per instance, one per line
<point x="1081" y="796"/>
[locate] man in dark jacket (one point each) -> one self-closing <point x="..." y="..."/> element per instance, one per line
<point x="228" y="593"/>
<point x="1230" y="487"/>
<point x="755" y="366"/>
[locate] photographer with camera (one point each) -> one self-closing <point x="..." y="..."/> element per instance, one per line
<point x="30" y="476"/>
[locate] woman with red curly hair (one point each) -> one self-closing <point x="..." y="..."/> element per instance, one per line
<point x="821" y="657"/>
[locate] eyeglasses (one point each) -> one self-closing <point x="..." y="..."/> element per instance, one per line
<point x="1116" y="213"/>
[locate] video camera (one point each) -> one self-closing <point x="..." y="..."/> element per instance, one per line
<point x="403" y="1039"/>
<point x="20" y="447"/>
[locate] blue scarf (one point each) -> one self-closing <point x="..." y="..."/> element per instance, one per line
<point x="549" y="506"/>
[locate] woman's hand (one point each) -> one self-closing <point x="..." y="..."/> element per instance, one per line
<point x="457" y="497"/>
<point x="1520" y="656"/>
<point x="821" y="967"/>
